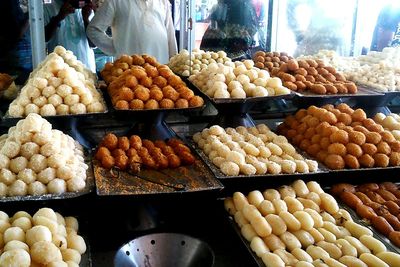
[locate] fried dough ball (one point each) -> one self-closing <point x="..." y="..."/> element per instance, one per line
<point x="102" y="152"/>
<point x="165" y="72"/>
<point x="173" y="161"/>
<point x="122" y="104"/>
<point x="366" y="161"/>
<point x="131" y="152"/>
<point x="182" y="103"/>
<point x="313" y="149"/>
<point x="151" y="71"/>
<point x="395" y="159"/>
<point x="381" y="160"/>
<point x="110" y="141"/>
<point x="146" y="81"/>
<point x="167" y="103"/>
<point x="321" y="156"/>
<point x="136" y="104"/>
<point x="345" y="118"/>
<point x="337" y="148"/>
<point x="354" y="149"/>
<point x="148" y="144"/>
<point x="384" y="148"/>
<point x="161" y="159"/>
<point x="142" y="93"/>
<point x="138" y="60"/>
<point x="131" y="81"/>
<point x="151" y="104"/>
<point x="186" y="94"/>
<point x="387" y="136"/>
<point x="351" y="161"/>
<point x="187" y="158"/>
<point x="160" y="81"/>
<point x="334" y="162"/>
<point x="359" y="115"/>
<point x="370" y="149"/>
<point x="373" y="138"/>
<point x="357" y="137"/>
<point x="149" y="162"/>
<point x="329" y="117"/>
<point x="15" y="258"/>
<point x="121" y="162"/>
<point x="395" y="146"/>
<point x="135" y="142"/>
<point x="45" y="252"/>
<point x="170" y="93"/>
<point x="175" y="81"/>
<point x="343" y="107"/>
<point x="327" y="132"/>
<point x="107" y="162"/>
<point x="156" y="94"/>
<point x="123" y="143"/>
<point x="196" y="101"/>
<point x="339" y="136"/>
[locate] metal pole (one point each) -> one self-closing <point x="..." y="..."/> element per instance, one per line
<point x="37" y="31"/>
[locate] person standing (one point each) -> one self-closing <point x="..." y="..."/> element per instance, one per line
<point x="387" y="28"/>
<point x="137" y="26"/>
<point x="260" y="9"/>
<point x="65" y="24"/>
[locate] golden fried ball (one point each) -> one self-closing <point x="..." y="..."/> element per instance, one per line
<point x="196" y="101"/>
<point x="337" y="148"/>
<point x="107" y="162"/>
<point x="316" y="139"/>
<point x="302" y="128"/>
<point x="325" y="142"/>
<point x="357" y="137"/>
<point x="323" y="125"/>
<point x="343" y="107"/>
<point x="151" y="71"/>
<point x="110" y="141"/>
<point x="313" y="149"/>
<point x="136" y="104"/>
<point x="387" y="136"/>
<point x="354" y="149"/>
<point x="123" y="143"/>
<point x="167" y="103"/>
<point x="117" y="152"/>
<point x="156" y="94"/>
<point x="321" y="156"/>
<point x="381" y="160"/>
<point x="121" y="162"/>
<point x="370" y="149"/>
<point x="175" y="81"/>
<point x="312" y="122"/>
<point x="373" y="137"/>
<point x="135" y="142"/>
<point x="395" y="146"/>
<point x="151" y="104"/>
<point x="384" y="148"/>
<point x="146" y="81"/>
<point x="125" y="93"/>
<point x="340" y="125"/>
<point x="138" y="72"/>
<point x="329" y="117"/>
<point x="362" y="129"/>
<point x="300" y="114"/>
<point x="334" y="162"/>
<point x="394" y="159"/>
<point x="304" y="144"/>
<point x="297" y="139"/>
<point x="345" y="118"/>
<point x="359" y="115"/>
<point x="351" y="161"/>
<point x="339" y="136"/>
<point x="122" y="104"/>
<point x="142" y="93"/>
<point x="170" y="93"/>
<point x="137" y="60"/>
<point x="366" y="161"/>
<point x="165" y="72"/>
<point x="186" y="94"/>
<point x="151" y="60"/>
<point x="160" y="81"/>
<point x="182" y="103"/>
<point x="327" y="132"/>
<point x="309" y="133"/>
<point x="131" y="81"/>
<point x="102" y="152"/>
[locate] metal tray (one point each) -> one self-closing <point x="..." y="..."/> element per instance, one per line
<point x="217" y="172"/>
<point x="361" y="92"/>
<point x="90" y="184"/>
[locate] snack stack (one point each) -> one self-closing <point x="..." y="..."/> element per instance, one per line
<point x="59" y="86"/>
<point x="305" y="75"/>
<point x="341" y="137"/>
<point x="37" y="160"/>
<point x="239" y="81"/>
<point x="140" y="82"/>
<point x="44" y="239"/>
<point x="251" y="151"/>
<point x="301" y="225"/>
<point x="184" y="64"/>
<point x="390" y="122"/>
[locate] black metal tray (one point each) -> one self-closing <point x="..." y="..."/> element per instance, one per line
<point x="90" y="184"/>
<point x="361" y="92"/>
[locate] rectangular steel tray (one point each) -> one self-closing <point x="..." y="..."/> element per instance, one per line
<point x="361" y="92"/>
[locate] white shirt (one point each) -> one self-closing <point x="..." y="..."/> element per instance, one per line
<point x="138" y="27"/>
<point x="71" y="34"/>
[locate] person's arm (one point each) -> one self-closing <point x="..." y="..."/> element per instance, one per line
<point x="172" y="46"/>
<point x="87" y="11"/>
<point x="96" y="30"/>
<point x="55" y="21"/>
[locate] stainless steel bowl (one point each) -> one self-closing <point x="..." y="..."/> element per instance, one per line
<point x="165" y="250"/>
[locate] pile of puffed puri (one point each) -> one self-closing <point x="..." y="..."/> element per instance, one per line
<point x="59" y="86"/>
<point x="36" y="160"/>
<point x="250" y="151"/>
<point x="44" y="239"/>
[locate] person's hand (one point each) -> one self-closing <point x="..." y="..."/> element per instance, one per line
<point x="87" y="10"/>
<point x="65" y="10"/>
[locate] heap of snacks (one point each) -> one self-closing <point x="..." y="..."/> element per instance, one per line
<point x="185" y="63"/>
<point x="250" y="151"/>
<point x="44" y="239"/>
<point x="378" y="70"/>
<point x="305" y="75"/>
<point x="341" y="137"/>
<point x="36" y="160"/>
<point x="241" y="81"/>
<point x="140" y="82"/>
<point x="390" y="122"/>
<point x="301" y="225"/>
<point x="59" y="86"/>
<point x="378" y="203"/>
<point x="132" y="153"/>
